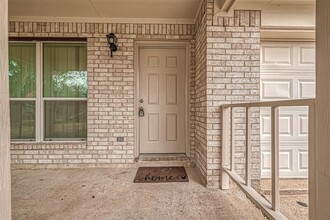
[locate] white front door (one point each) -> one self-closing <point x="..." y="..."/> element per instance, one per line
<point x="287" y="72"/>
<point x="162" y="97"/>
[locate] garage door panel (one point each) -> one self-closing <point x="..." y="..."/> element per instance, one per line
<point x="280" y="54"/>
<point x="266" y="164"/>
<point x="306" y="55"/>
<point x="287" y="86"/>
<point x="306" y="88"/>
<point x="265" y="125"/>
<point x="289" y="56"/>
<point x="276" y="89"/>
<point x="286" y="162"/>
<point x="286" y="125"/>
<point x="287" y="72"/>
<point x="302" y="125"/>
<point x="303" y="160"/>
<point x="293" y="124"/>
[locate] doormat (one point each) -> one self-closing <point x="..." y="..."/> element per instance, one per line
<point x="161" y="175"/>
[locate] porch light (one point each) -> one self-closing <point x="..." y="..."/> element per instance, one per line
<point x="112" y="40"/>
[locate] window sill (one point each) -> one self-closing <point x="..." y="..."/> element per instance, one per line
<point x="48" y="142"/>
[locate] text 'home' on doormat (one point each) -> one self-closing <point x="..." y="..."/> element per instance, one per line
<point x="161" y="175"/>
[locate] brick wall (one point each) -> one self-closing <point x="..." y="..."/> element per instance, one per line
<point x="111" y="91"/>
<point x="227" y="71"/>
<point x="200" y="95"/>
<point x="224" y="68"/>
<point x="233" y="76"/>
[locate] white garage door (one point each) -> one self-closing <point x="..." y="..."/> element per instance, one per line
<point x="287" y="72"/>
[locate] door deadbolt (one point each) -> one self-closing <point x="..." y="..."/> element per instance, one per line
<point x="141" y="112"/>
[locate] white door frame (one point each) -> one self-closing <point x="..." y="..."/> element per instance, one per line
<point x="161" y="44"/>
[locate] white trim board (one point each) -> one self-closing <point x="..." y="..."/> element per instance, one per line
<point x="102" y="20"/>
<point x="287" y="34"/>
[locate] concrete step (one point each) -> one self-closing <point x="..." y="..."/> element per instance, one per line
<point x="164" y="160"/>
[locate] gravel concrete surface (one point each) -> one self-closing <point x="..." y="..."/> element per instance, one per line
<point x="110" y="193"/>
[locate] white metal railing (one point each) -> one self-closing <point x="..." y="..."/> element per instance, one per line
<point x="272" y="210"/>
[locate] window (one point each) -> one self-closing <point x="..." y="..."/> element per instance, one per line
<point x="22" y="84"/>
<point x="48" y="91"/>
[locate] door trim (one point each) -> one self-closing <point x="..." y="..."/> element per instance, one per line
<point x="168" y="45"/>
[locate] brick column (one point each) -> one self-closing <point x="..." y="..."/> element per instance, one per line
<point x="200" y="111"/>
<point x="233" y="72"/>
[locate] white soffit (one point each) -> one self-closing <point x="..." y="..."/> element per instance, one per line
<point x="172" y="11"/>
<point x="282" y="13"/>
<point x="275" y="13"/>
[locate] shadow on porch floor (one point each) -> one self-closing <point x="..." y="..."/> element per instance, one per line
<point x="111" y="194"/>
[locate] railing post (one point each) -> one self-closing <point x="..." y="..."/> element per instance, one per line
<point x="275" y="158"/>
<point x="225" y="153"/>
<point x="311" y="162"/>
<point x="5" y="183"/>
<point x="232" y="145"/>
<point x="248" y="146"/>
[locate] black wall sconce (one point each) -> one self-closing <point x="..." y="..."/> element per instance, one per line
<point x="112" y="40"/>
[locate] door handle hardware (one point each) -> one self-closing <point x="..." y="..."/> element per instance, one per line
<point x="141" y="112"/>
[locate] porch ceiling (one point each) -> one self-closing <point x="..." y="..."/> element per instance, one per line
<point x="161" y="9"/>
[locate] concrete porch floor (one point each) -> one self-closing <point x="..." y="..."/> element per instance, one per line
<point x="108" y="193"/>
